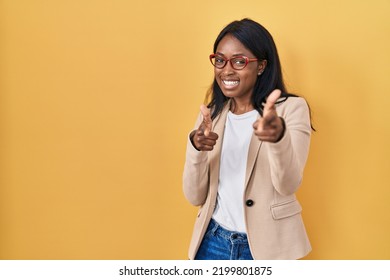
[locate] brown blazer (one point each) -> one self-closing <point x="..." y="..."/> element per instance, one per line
<point x="274" y="172"/>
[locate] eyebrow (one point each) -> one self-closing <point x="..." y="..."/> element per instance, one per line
<point x="236" y="54"/>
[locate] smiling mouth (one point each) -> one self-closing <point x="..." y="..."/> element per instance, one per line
<point x="230" y="83"/>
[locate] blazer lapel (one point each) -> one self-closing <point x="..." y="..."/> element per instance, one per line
<point x="253" y="152"/>
<point x="215" y="154"/>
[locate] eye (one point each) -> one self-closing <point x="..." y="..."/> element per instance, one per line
<point x="219" y="60"/>
<point x="239" y="61"/>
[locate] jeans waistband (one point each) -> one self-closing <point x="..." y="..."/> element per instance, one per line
<point x="217" y="229"/>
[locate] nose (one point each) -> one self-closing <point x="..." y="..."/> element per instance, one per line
<point x="228" y="69"/>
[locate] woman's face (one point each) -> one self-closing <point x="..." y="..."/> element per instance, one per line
<point x="237" y="84"/>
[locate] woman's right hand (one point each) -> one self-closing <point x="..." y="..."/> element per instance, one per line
<point x="203" y="138"/>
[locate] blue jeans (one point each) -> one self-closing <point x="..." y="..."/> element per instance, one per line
<point x="221" y="244"/>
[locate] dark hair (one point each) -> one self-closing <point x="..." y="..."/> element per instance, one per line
<point x="260" y="42"/>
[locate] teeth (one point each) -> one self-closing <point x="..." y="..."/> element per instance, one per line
<point x="230" y="83"/>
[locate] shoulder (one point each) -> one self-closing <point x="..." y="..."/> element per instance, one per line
<point x="291" y="103"/>
<point x="221" y="112"/>
<point x="293" y="108"/>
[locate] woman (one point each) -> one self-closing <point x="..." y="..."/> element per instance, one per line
<point x="246" y="155"/>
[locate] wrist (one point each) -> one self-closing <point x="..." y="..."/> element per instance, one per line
<point x="192" y="134"/>
<point x="283" y="130"/>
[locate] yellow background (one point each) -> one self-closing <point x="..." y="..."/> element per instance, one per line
<point x="97" y="97"/>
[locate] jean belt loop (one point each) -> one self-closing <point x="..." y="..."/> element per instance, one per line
<point x="214" y="229"/>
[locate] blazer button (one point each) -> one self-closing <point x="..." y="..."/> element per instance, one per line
<point x="249" y="202"/>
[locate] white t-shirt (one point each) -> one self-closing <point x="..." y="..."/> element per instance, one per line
<point x="229" y="212"/>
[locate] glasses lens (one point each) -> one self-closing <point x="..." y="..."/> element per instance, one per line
<point x="238" y="63"/>
<point x="218" y="61"/>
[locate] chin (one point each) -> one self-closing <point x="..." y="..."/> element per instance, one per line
<point x="230" y="94"/>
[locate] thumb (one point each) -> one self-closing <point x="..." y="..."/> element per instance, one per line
<point x="206" y="119"/>
<point x="271" y="100"/>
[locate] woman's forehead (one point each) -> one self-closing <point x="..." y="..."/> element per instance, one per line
<point x="230" y="45"/>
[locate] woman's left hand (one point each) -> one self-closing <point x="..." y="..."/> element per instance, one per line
<point x="270" y="127"/>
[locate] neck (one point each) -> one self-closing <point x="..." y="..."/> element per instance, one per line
<point x="239" y="108"/>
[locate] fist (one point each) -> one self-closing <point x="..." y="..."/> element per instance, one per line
<point x="204" y="139"/>
<point x="270" y="127"/>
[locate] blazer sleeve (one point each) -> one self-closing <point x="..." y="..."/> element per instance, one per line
<point x="288" y="156"/>
<point x="195" y="175"/>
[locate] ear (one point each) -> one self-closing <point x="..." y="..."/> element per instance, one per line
<point x="261" y="67"/>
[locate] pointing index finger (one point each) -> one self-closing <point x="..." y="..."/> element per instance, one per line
<point x="273" y="97"/>
<point x="206" y="119"/>
<point x="271" y="100"/>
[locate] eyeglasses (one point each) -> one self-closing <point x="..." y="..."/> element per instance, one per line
<point x="237" y="62"/>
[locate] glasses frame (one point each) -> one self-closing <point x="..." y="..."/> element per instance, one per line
<point x="247" y="60"/>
